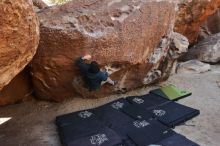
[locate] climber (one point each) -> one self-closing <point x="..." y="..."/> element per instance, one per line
<point x="93" y="76"/>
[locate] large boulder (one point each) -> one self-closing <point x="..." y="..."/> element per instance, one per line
<point x="207" y="50"/>
<point x="19" y="89"/>
<point x="19" y="37"/>
<point x="129" y="38"/>
<point x="192" y="14"/>
<point x="211" y="26"/>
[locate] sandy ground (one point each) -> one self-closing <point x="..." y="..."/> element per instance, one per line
<point x="32" y="122"/>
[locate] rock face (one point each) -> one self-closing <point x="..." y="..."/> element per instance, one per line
<point x="17" y="90"/>
<point x="211" y="26"/>
<point x="207" y="50"/>
<point x="192" y="14"/>
<point x="19" y="36"/>
<point x="129" y="38"/>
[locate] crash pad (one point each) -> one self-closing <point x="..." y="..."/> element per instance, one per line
<point x="103" y="137"/>
<point x="171" y="92"/>
<point x="147" y="101"/>
<point x="79" y="129"/>
<point x="75" y="118"/>
<point x="118" y="104"/>
<point x="88" y="115"/>
<point x="127" y="142"/>
<point x="173" y="114"/>
<point x="137" y="112"/>
<point x="149" y="132"/>
<point x="114" y="119"/>
<point x="130" y="122"/>
<point x="176" y="140"/>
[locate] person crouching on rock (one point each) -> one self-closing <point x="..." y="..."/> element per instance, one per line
<point x="92" y="74"/>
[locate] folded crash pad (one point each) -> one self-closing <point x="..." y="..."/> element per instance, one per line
<point x="103" y="137"/>
<point x="149" y="132"/>
<point x="171" y="92"/>
<point x="147" y="101"/>
<point x="172" y="114"/>
<point x="176" y="140"/>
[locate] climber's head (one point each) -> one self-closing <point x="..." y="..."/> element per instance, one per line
<point x="94" y="67"/>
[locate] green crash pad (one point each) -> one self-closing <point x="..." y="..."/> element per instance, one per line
<point x="171" y="92"/>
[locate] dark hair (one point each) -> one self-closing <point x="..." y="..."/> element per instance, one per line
<point x="94" y="67"/>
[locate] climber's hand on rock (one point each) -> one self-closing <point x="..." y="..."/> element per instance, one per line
<point x="87" y="57"/>
<point x="115" y="83"/>
<point x="103" y="70"/>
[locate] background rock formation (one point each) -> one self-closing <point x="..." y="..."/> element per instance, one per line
<point x="129" y="38"/>
<point x="193" y="66"/>
<point x="207" y="50"/>
<point x="192" y="14"/>
<point x="19" y="36"/>
<point x="211" y="26"/>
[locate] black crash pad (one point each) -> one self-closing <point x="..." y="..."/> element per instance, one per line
<point x="114" y="119"/>
<point x="126" y="142"/>
<point x="148" y="132"/>
<point x="118" y="104"/>
<point x="137" y="112"/>
<point x="79" y="129"/>
<point x="127" y="122"/>
<point x="147" y="101"/>
<point x="176" y="140"/>
<point x="173" y="114"/>
<point x="75" y="118"/>
<point x="88" y="115"/>
<point x="103" y="137"/>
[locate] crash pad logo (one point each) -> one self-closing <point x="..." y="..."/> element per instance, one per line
<point x="85" y="114"/>
<point x="98" y="139"/>
<point x="159" y="113"/>
<point x="141" y="124"/>
<point x="138" y="100"/>
<point x="117" y="105"/>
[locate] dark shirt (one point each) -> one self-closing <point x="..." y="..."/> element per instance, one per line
<point x="93" y="80"/>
